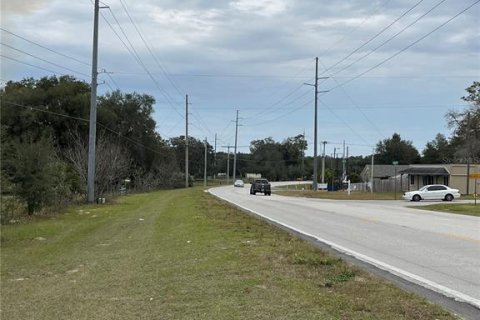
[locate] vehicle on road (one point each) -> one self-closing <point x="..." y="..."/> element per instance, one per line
<point x="432" y="192"/>
<point x="262" y="186"/>
<point x="238" y="183"/>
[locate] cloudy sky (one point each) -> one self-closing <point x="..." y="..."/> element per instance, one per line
<point x="392" y="66"/>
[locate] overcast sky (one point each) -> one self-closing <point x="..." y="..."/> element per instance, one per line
<point x="387" y="72"/>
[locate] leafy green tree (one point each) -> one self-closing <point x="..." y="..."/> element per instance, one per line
<point x="31" y="108"/>
<point x="438" y="150"/>
<point x="396" y="149"/>
<point x="268" y="158"/>
<point x="196" y="155"/>
<point x="130" y="116"/>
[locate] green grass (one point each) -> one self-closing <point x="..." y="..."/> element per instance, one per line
<point x="338" y="195"/>
<point x="469" y="209"/>
<point x="182" y="254"/>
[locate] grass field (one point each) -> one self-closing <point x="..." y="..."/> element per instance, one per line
<point x="182" y="254"/>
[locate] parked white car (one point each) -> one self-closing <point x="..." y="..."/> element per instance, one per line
<point x="432" y="192"/>
<point x="238" y="183"/>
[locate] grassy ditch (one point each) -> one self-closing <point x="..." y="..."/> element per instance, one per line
<point x="182" y="254"/>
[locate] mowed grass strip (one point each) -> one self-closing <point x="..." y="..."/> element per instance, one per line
<point x="469" y="209"/>
<point x="337" y="195"/>
<point x="183" y="254"/>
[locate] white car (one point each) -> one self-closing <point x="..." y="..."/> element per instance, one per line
<point x="432" y="192"/>
<point x="238" y="183"/>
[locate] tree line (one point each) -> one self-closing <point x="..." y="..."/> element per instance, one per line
<point x="44" y="139"/>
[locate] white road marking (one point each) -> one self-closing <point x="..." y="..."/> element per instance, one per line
<point x="379" y="264"/>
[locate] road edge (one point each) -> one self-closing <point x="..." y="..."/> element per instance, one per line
<point x="460" y="304"/>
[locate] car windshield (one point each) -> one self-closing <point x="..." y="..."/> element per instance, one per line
<point x="423" y="188"/>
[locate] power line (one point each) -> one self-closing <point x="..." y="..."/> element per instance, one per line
<point x="137" y="58"/>
<point x="44" y="60"/>
<point x="282" y="115"/>
<point x="84" y="120"/>
<point x="28" y="64"/>
<point x="164" y="71"/>
<point x="353" y="29"/>
<point x="407" y="47"/>
<point x="391" y="38"/>
<point x="373" y="38"/>
<point x="43" y="47"/>
<point x="356" y="106"/>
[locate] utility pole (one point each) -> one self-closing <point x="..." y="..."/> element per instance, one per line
<point x="215" y="159"/>
<point x="235" y="154"/>
<point x="228" y="161"/>
<point x="92" y="135"/>
<point x="315" y="160"/>
<point x="343" y="163"/>
<point x="469" y="151"/>
<point x="186" y="142"/>
<point x="303" y="154"/>
<point x="371" y="171"/>
<point x="205" y="168"/>
<point x="323" y="162"/>
<point x="334" y="175"/>
<point x="346" y="165"/>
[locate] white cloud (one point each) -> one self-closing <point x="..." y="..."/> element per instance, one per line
<point x="267" y="8"/>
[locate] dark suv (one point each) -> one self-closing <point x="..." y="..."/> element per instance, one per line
<point x="261" y="185"/>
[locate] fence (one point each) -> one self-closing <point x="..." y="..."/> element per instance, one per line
<point x="387" y="185"/>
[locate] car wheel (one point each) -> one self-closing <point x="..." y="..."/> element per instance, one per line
<point x="448" y="197"/>
<point x="416" y="198"/>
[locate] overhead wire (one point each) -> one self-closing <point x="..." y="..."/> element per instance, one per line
<point x="391" y="38"/>
<point x="349" y="97"/>
<point x="84" y="120"/>
<point x="137" y="58"/>
<point x="372" y="38"/>
<point x="408" y="46"/>
<point x="28" y="64"/>
<point x="44" y="60"/>
<point x="163" y="69"/>
<point x="46" y="48"/>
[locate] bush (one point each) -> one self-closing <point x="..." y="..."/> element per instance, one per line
<point x="38" y="177"/>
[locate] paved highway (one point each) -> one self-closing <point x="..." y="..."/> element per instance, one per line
<point x="436" y="250"/>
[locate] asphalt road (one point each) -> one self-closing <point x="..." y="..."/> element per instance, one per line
<point x="438" y="251"/>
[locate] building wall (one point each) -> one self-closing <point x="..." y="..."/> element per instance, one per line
<point x="458" y="177"/>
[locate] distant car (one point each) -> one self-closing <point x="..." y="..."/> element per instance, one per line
<point x="261" y="185"/>
<point x="238" y="183"/>
<point x="433" y="192"/>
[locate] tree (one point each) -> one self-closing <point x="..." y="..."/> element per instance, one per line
<point x="466" y="127"/>
<point x="438" y="150"/>
<point x="268" y="159"/>
<point x="396" y="149"/>
<point x="57" y="105"/>
<point x="196" y="155"/>
<point x="37" y="175"/>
